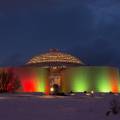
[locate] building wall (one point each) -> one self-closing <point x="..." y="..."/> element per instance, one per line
<point x="98" y="79"/>
<point x="76" y="79"/>
<point x="33" y="79"/>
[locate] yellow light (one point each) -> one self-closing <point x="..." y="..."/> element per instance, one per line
<point x="51" y="89"/>
<point x="92" y="92"/>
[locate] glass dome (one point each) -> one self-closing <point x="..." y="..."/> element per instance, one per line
<point x="54" y="56"/>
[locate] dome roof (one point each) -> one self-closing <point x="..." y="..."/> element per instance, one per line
<point x="54" y="56"/>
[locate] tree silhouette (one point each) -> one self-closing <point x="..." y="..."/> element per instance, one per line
<point x="8" y="82"/>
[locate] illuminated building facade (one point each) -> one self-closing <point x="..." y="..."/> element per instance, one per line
<point x="44" y="72"/>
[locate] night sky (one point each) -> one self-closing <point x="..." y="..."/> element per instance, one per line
<point x="89" y="29"/>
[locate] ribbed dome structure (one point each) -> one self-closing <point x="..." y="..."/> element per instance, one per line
<point x="54" y="57"/>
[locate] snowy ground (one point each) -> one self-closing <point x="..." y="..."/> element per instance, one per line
<point x="36" y="107"/>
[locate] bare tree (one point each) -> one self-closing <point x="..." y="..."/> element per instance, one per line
<point x="8" y="82"/>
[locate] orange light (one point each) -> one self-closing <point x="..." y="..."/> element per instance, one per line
<point x="51" y="89"/>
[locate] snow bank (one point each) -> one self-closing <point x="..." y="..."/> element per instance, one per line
<point x="37" y="107"/>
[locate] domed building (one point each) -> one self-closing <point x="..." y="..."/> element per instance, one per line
<point x="54" y="58"/>
<point x="56" y="71"/>
<point x="55" y="62"/>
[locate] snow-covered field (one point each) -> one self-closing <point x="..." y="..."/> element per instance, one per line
<point x="36" y="107"/>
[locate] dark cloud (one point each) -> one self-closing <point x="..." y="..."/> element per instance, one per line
<point x="102" y="48"/>
<point x="89" y="29"/>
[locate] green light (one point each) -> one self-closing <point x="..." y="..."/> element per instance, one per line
<point x="103" y="82"/>
<point x="80" y="81"/>
<point x="76" y="80"/>
<point x="87" y="79"/>
<point x="41" y="80"/>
